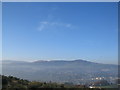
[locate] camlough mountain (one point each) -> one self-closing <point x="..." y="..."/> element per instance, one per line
<point x="76" y="71"/>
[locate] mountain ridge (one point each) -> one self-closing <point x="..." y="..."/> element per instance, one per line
<point x="40" y="61"/>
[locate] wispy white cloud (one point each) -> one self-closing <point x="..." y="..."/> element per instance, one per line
<point x="46" y="25"/>
<point x="50" y="24"/>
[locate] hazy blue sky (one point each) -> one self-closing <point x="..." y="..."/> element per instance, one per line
<point x="40" y="31"/>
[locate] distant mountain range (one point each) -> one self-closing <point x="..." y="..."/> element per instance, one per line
<point x="76" y="71"/>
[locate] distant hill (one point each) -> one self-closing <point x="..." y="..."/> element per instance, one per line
<point x="61" y="71"/>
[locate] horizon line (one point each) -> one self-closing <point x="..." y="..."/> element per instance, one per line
<point x="61" y="60"/>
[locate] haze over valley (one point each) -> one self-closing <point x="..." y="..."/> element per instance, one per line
<point x="61" y="71"/>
